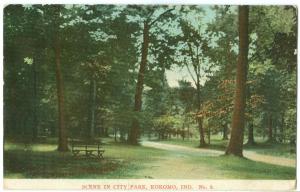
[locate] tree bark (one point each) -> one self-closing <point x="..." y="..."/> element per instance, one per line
<point x="250" y="135"/>
<point x="62" y="129"/>
<point x="200" y="119"/>
<point x="135" y="129"/>
<point x="235" y="146"/>
<point x="225" y="132"/>
<point x="201" y="131"/>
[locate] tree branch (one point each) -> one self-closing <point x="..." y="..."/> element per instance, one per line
<point x="187" y="66"/>
<point x="194" y="63"/>
<point x="161" y="15"/>
<point x="191" y="52"/>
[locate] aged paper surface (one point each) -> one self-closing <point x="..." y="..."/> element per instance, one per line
<point x="155" y="185"/>
<point x="150" y="97"/>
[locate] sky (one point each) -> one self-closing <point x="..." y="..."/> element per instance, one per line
<point x="177" y="74"/>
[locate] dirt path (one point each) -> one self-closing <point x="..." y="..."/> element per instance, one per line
<point x="270" y="159"/>
<point x="176" y="165"/>
<point x="210" y="152"/>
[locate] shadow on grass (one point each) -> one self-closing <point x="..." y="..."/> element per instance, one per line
<point x="33" y="164"/>
<point x="43" y="161"/>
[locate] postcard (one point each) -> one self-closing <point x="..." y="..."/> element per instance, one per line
<point x="153" y="97"/>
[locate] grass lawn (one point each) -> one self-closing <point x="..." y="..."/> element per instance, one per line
<point x="43" y="161"/>
<point x="123" y="161"/>
<point x="231" y="167"/>
<point x="261" y="147"/>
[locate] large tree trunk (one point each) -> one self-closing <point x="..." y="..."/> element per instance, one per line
<point x="134" y="131"/>
<point x="62" y="130"/>
<point x="201" y="131"/>
<point x="250" y="135"/>
<point x="200" y="119"/>
<point x="225" y="131"/>
<point x="235" y="145"/>
<point x="62" y="139"/>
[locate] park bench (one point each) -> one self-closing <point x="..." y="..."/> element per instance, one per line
<point x="88" y="149"/>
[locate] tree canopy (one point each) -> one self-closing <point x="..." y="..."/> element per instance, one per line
<point x="101" y="70"/>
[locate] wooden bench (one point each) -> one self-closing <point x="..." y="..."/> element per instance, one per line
<point x="88" y="149"/>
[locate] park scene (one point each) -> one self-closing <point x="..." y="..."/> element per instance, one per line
<point x="150" y="92"/>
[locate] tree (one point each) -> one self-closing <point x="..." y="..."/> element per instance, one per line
<point x="147" y="24"/>
<point x="225" y="25"/>
<point x="62" y="129"/>
<point x="186" y="95"/>
<point x="195" y="49"/>
<point x="272" y="60"/>
<point x="235" y="145"/>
